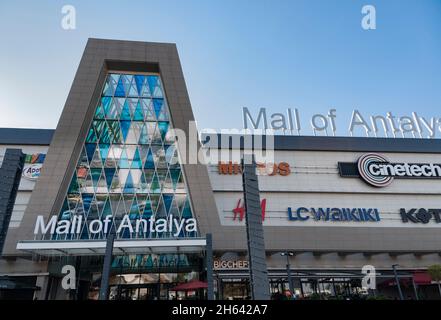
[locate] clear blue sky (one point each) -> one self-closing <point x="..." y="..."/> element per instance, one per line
<point x="313" y="55"/>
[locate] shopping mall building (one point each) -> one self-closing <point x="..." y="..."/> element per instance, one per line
<point x="331" y="205"/>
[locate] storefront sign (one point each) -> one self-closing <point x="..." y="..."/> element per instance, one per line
<point x="230" y="264"/>
<point x="377" y="171"/>
<point x="32" y="166"/>
<point x="334" y="214"/>
<point x="136" y="226"/>
<point x="240" y="209"/>
<point x="263" y="169"/>
<point x="386" y="125"/>
<point x="420" y="215"/>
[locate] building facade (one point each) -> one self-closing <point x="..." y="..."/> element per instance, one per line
<point x="331" y="206"/>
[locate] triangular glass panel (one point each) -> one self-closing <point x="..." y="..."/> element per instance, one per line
<point x="125" y="126"/>
<point x="91" y="136"/>
<point x="73" y="187"/>
<point x="168" y="198"/>
<point x="154" y="201"/>
<point x="154" y="86"/>
<point x="186" y="212"/>
<point x="87" y="201"/>
<point x="163" y="128"/>
<point x="147" y="109"/>
<point x="139" y="81"/>
<point x="90" y="150"/>
<point x="119" y="92"/>
<point x="161" y="211"/>
<point x="145" y="91"/>
<point x="157" y="105"/>
<point x="125" y="112"/>
<point x="109" y="173"/>
<point x="129" y="186"/>
<point x="155" y="187"/>
<point x="124" y="161"/>
<point x="148" y="211"/>
<point x="143" y="185"/>
<point x="127" y="81"/>
<point x="104" y="151"/>
<point x="143" y="136"/>
<point x="133" y="90"/>
<point x="96" y="174"/>
<point x="149" y="162"/>
<point x="96" y="160"/>
<point x="138" y="114"/>
<point x="136" y="178"/>
<point x="105" y="135"/>
<point x="136" y="164"/>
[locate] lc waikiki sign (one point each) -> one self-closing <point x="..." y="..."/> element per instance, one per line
<point x="377" y="171"/>
<point x="140" y="226"/>
<point x="334" y="214"/>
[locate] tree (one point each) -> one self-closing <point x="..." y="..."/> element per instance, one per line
<point x="435" y="273"/>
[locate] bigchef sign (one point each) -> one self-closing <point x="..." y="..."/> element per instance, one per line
<point x="379" y="172"/>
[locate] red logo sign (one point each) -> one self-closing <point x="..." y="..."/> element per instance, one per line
<point x="240" y="210"/>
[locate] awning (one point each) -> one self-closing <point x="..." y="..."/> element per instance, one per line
<point x="121" y="246"/>
<point x="422" y="278"/>
<point x="190" y="286"/>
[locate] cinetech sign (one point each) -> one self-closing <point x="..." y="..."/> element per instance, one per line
<point x="379" y="172"/>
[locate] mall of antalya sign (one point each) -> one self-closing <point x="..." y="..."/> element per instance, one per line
<point x="387" y="125"/>
<point x="168" y="225"/>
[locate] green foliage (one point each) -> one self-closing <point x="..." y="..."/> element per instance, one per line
<point x="435" y="272"/>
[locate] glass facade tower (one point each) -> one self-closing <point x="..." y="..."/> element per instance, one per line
<point x="129" y="164"/>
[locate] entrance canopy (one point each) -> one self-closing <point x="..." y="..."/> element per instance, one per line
<point x="121" y="246"/>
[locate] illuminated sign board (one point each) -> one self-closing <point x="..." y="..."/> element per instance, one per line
<point x="334" y="214"/>
<point x="75" y="224"/>
<point x="377" y="171"/>
<point x="230" y="264"/>
<point x="263" y="169"/>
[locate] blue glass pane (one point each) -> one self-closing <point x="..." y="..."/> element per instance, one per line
<point x="99" y="113"/>
<point x="138" y="115"/>
<point x="186" y="213"/>
<point x="129" y="187"/>
<point x="124" y="161"/>
<point x="73" y="187"/>
<point x="163" y="128"/>
<point x="87" y="201"/>
<point x="137" y="164"/>
<point x="125" y="126"/>
<point x="105" y="102"/>
<point x="148" y="212"/>
<point x="125" y="113"/>
<point x="168" y="198"/>
<point x="90" y="150"/>
<point x="96" y="173"/>
<point x="109" y="172"/>
<point x="139" y="80"/>
<point x="149" y="162"/>
<point x="91" y="136"/>
<point x="157" y="105"/>
<point x="104" y="151"/>
<point x="143" y="137"/>
<point x="119" y="92"/>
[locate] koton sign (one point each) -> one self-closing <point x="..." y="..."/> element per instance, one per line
<point x="377" y="171"/>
